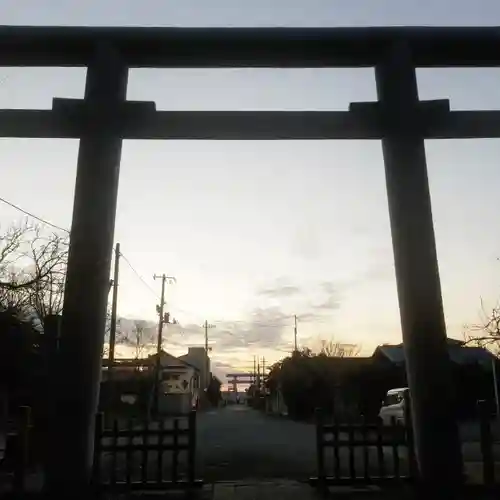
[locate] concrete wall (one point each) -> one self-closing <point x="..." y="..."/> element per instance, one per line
<point x="174" y="403"/>
<point x="197" y="357"/>
<point x="179" y="380"/>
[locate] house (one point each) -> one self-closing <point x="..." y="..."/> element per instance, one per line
<point x="197" y="357"/>
<point x="131" y="383"/>
<point x="472" y="372"/>
<point x="348" y="387"/>
<point x="179" y="387"/>
<point x="459" y="352"/>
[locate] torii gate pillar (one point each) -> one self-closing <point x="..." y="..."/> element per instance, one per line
<point x="420" y="302"/>
<point x="87" y="282"/>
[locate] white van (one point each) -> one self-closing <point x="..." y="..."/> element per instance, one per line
<point x="393" y="407"/>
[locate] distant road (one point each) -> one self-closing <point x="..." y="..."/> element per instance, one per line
<point x="238" y="442"/>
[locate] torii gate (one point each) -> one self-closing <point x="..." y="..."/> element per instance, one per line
<point x="104" y="118"/>
<point x="233" y="379"/>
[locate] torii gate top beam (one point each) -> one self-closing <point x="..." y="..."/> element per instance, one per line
<point x="249" y="47"/>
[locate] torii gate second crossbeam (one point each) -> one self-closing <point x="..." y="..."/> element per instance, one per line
<point x="103" y="118"/>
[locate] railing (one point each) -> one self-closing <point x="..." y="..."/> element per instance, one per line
<point x="383" y="452"/>
<point x="373" y="454"/>
<point x="146" y="455"/>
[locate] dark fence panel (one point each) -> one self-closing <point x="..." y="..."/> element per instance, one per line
<point x="370" y="454"/>
<point x="362" y="453"/>
<point x="146" y="455"/>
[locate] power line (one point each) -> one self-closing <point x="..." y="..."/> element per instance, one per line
<point x="40" y="219"/>
<point x="138" y="275"/>
<point x="55" y="226"/>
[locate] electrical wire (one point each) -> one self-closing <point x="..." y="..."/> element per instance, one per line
<point x="249" y="323"/>
<point x="139" y="276"/>
<point x="55" y="226"/>
<point x="40" y="219"/>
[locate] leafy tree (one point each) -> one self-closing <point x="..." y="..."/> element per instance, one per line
<point x="307" y="380"/>
<point x="214" y="394"/>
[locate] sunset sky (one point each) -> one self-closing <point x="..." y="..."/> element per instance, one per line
<point x="256" y="232"/>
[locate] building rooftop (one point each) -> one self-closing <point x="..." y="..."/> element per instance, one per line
<point x="458" y="351"/>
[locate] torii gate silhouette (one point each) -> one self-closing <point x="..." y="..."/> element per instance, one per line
<point x="104" y="118"/>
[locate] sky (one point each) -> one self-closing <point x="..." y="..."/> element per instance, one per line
<point x="257" y="232"/>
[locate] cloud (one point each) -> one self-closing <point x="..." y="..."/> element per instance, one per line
<point x="282" y="291"/>
<point x="330" y="298"/>
<point x="266" y="327"/>
<point x="221" y="368"/>
<point x="263" y="328"/>
<point x="281" y="288"/>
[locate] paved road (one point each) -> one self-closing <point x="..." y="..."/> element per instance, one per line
<point x="238" y="442"/>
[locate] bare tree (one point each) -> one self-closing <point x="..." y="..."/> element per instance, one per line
<point x="32" y="270"/>
<point x="140" y="338"/>
<point x="32" y="256"/>
<point x="10" y="254"/>
<point x="45" y="295"/>
<point x="486" y="333"/>
<point x="334" y="349"/>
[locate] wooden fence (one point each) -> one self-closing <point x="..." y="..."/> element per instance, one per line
<point x="363" y="454"/>
<point x="373" y="454"/>
<point x="146" y="455"/>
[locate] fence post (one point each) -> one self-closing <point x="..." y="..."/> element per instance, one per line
<point x="96" y="466"/>
<point x="192" y="447"/>
<point x="320" y="452"/>
<point x="21" y="458"/>
<point x="408" y="424"/>
<point x="486" y="444"/>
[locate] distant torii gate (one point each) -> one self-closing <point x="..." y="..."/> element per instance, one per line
<point x="104" y="118"/>
<point x="243" y="378"/>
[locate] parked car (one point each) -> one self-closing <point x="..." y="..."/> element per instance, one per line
<point x="393" y="407"/>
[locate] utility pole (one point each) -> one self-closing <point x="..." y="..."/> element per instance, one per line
<point x="112" y="326"/>
<point x="258" y="375"/>
<point x="263" y="371"/>
<point x="163" y="318"/>
<point x="254" y="370"/>
<point x="295" y="332"/>
<point x="206" y="326"/>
